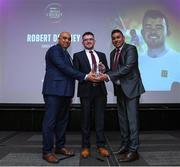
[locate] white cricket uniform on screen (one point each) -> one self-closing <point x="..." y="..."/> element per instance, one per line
<point x="158" y="74"/>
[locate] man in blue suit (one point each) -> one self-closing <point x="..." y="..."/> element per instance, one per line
<point x="58" y="90"/>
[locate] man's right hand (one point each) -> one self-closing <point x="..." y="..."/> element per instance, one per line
<point x="92" y="77"/>
<point x="103" y="77"/>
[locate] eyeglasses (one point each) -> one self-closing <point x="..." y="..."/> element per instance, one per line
<point x="88" y="39"/>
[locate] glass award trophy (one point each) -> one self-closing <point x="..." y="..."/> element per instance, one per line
<point x="99" y="69"/>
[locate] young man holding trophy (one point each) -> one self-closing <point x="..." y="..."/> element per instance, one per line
<point x="93" y="95"/>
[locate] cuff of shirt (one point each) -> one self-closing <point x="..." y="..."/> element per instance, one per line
<point x="85" y="78"/>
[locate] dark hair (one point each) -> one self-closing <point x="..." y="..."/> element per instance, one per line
<point x="155" y="14"/>
<point x="87" y="33"/>
<point x="116" y="31"/>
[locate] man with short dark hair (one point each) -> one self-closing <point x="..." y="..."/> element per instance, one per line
<point x="92" y="95"/>
<point x="159" y="64"/>
<point x="155" y="29"/>
<point x="128" y="87"/>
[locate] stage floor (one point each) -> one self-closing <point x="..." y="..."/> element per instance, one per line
<point x="157" y="148"/>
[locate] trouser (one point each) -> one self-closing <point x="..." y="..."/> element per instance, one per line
<point x="55" y="121"/>
<point x="98" y="102"/>
<point x="128" y="120"/>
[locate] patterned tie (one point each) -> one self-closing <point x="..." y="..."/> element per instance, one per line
<point x="116" y="59"/>
<point x="93" y="60"/>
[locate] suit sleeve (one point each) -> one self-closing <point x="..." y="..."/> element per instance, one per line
<point x="130" y="62"/>
<point x="111" y="57"/>
<point x="58" y="60"/>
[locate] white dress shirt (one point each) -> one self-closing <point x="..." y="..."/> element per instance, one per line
<point x="89" y="57"/>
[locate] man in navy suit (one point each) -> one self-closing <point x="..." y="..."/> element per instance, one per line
<point x="58" y="90"/>
<point x="128" y="86"/>
<point x="91" y="95"/>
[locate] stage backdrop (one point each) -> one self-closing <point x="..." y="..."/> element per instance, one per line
<point x="29" y="27"/>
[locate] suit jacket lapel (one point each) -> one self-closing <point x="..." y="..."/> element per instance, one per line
<point x="123" y="53"/>
<point x="100" y="58"/>
<point x="112" y="57"/>
<point x="66" y="54"/>
<point x="85" y="58"/>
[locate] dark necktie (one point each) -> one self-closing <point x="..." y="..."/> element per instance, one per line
<point x="116" y="59"/>
<point x="94" y="64"/>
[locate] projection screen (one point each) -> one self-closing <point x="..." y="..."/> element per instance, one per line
<point x="30" y="27"/>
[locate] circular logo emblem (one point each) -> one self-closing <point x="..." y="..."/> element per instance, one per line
<point x="53" y="12"/>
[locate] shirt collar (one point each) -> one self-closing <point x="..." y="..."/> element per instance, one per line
<point x="87" y="50"/>
<point x="121" y="47"/>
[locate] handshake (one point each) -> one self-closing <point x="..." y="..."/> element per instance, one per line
<point x="97" y="74"/>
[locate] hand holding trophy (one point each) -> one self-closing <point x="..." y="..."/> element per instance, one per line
<point x="98" y="69"/>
